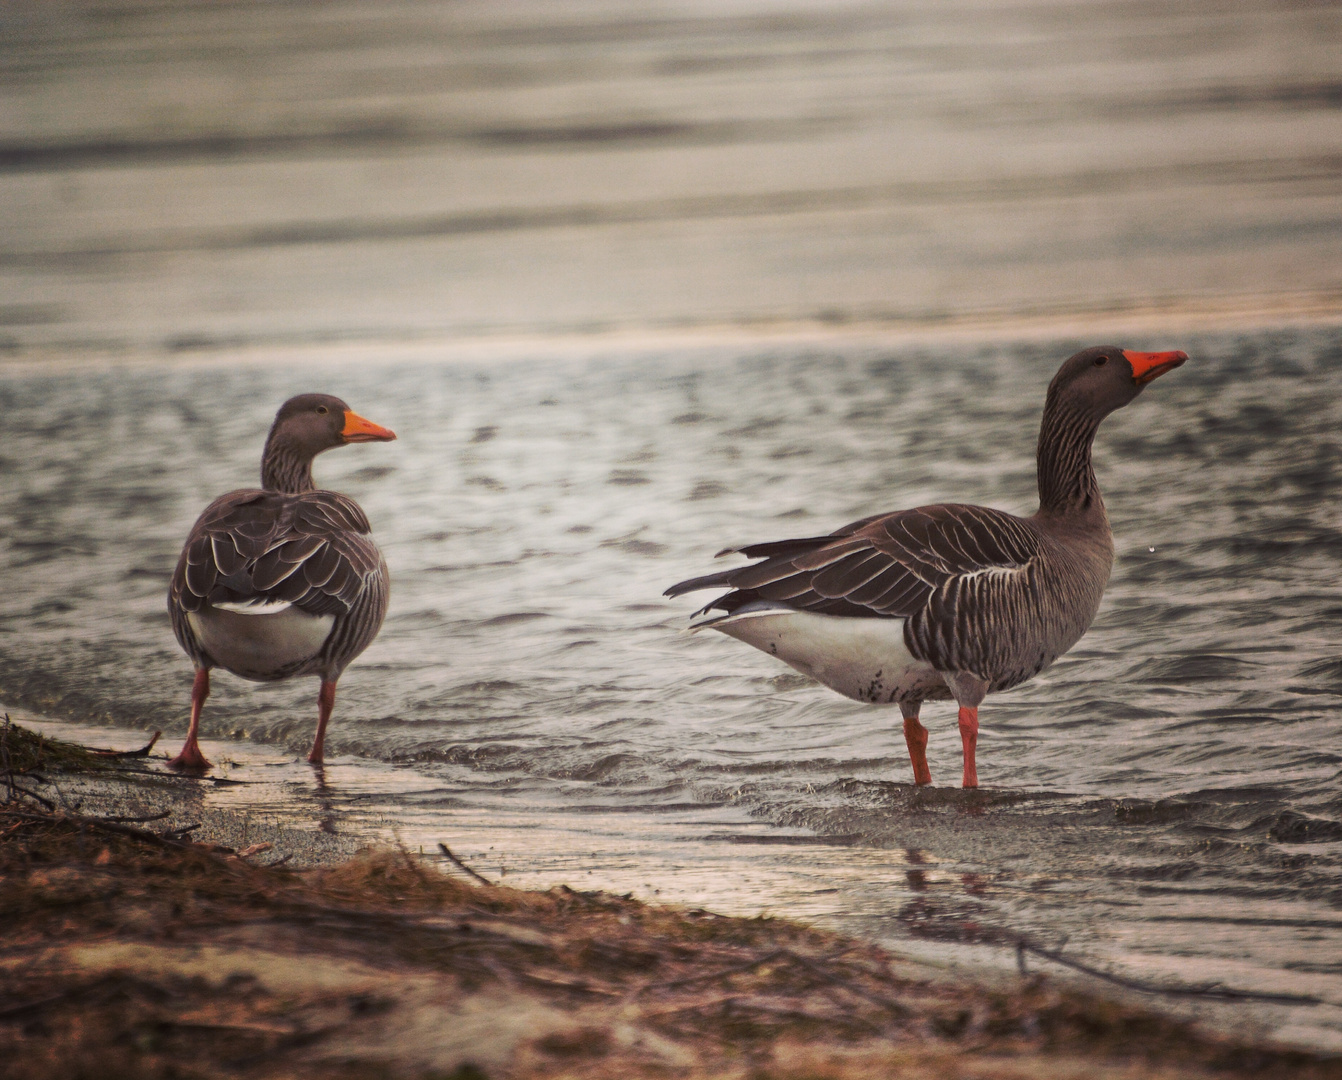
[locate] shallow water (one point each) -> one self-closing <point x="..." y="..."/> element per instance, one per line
<point x="1166" y="797"/>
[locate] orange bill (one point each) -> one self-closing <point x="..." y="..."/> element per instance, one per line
<point x="1151" y="365"/>
<point x="357" y="429"/>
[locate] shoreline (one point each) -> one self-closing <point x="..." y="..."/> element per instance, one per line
<point x="184" y="908"/>
<point x="1181" y="316"/>
<point x="252" y="798"/>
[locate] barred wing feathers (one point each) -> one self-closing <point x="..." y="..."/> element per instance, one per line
<point x="886" y="566"/>
<point x="253" y="548"/>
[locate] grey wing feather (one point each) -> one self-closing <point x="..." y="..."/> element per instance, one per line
<point x="311" y="550"/>
<point x="888" y="565"/>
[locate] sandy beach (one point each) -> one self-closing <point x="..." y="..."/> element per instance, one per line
<point x="146" y="937"/>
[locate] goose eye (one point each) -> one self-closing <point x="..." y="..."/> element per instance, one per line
<point x="1100" y="361"/>
<point x="321" y="410"/>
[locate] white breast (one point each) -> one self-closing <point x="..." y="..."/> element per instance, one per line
<point x="864" y="659"/>
<point x="260" y="646"/>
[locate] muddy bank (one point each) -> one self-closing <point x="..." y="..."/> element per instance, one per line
<point x="164" y="947"/>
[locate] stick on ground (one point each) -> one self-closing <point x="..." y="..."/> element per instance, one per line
<point x="447" y="851"/>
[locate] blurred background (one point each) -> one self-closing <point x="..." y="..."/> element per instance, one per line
<point x="194" y="176"/>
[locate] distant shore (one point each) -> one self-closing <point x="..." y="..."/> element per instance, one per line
<point x="1139" y="319"/>
<point x="157" y="937"/>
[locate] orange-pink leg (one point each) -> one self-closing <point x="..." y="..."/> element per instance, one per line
<point x="191" y="757"/>
<point x="916" y="737"/>
<point x="969" y="736"/>
<point x="325" y="703"/>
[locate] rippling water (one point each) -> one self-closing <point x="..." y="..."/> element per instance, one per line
<point x="1167" y="795"/>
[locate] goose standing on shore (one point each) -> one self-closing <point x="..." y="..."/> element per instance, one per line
<point x="947" y="601"/>
<point x="283" y="580"/>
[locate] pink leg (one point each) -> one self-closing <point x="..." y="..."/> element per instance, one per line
<point x="325" y="703"/>
<point x="916" y="737"/>
<point x="969" y="735"/>
<point x="191" y="757"/>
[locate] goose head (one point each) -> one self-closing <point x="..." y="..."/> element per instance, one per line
<point x="311" y="423"/>
<point x="1099" y="380"/>
<point x="306" y="426"/>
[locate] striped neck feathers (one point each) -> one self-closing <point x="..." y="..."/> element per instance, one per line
<point x="1067" y="483"/>
<point x="285" y="467"/>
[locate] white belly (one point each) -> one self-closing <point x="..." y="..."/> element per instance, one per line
<point x="260" y="647"/>
<point x="864" y="659"/>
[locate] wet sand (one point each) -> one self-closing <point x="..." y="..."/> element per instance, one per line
<point x="298" y="817"/>
<point x="188" y="940"/>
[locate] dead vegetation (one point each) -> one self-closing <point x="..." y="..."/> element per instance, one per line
<point x="132" y="954"/>
<point x="25" y="756"/>
<point x="130" y="951"/>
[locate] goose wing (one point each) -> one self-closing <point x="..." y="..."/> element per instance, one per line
<point x="257" y="550"/>
<point x="884" y="566"/>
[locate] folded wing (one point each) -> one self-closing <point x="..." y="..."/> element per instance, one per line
<point x="886" y="566"/>
<point x="261" y="549"/>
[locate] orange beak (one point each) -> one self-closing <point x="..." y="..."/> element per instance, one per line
<point x="357" y="429"/>
<point x="1151" y="365"/>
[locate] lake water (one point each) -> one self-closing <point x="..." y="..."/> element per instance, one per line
<point x="1166" y="797"/>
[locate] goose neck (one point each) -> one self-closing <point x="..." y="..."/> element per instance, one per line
<point x="285" y="468"/>
<point x="1067" y="484"/>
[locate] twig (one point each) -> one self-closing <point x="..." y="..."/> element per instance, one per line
<point x="68" y="994"/>
<point x="13" y="787"/>
<point x="735" y="969"/>
<point x="140" y="820"/>
<point x="142" y="752"/>
<point x="1207" y="990"/>
<point x="462" y="866"/>
<point x="834" y="979"/>
<point x="571" y="987"/>
<point x="106" y="826"/>
<point x="290" y="1042"/>
<point x="35" y="1006"/>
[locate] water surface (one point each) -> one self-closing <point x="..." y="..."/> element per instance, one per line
<point x="1166" y="797"/>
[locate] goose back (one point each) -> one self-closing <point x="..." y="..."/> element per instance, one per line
<point x="266" y="550"/>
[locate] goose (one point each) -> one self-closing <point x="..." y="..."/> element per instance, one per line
<point x="952" y="600"/>
<point x="284" y="580"/>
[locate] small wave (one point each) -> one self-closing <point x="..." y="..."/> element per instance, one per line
<point x="1290" y="827"/>
<point x="785" y="839"/>
<point x="514" y="617"/>
<point x="1195" y="667"/>
<point x="1160" y="812"/>
<point x="601" y="769"/>
<point x="1327" y="672"/>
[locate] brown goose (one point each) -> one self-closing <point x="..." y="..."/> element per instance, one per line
<point x="284" y="580"/>
<point x="947" y="601"/>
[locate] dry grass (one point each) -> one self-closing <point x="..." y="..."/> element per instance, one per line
<point x="304" y="974"/>
<point x="130" y="953"/>
<point x="23" y="752"/>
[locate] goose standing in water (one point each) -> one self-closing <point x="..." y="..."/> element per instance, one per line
<point x="947" y="601"/>
<point x="283" y="580"/>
